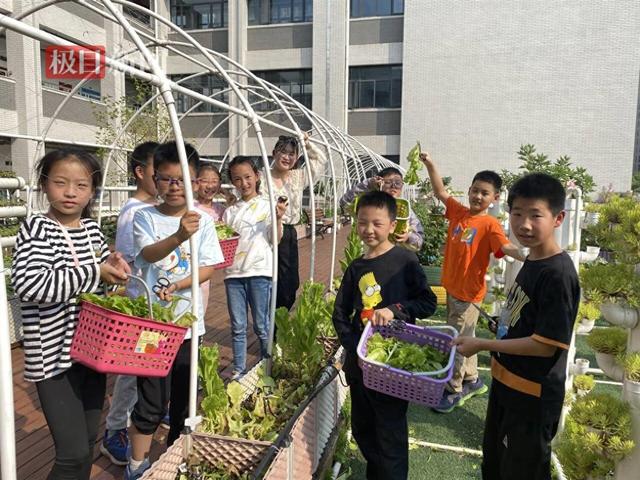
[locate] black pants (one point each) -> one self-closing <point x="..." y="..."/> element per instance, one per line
<point x="379" y="426"/>
<point x="155" y="393"/>
<point x="288" y="268"/>
<point x="515" y="446"/>
<point x="72" y="404"/>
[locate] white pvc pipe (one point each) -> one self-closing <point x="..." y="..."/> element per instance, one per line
<point x="7" y="424"/>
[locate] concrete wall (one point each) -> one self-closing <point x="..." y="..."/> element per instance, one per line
<point x="482" y="78"/>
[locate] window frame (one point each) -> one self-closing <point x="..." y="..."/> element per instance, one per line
<point x="178" y="8"/>
<point x="358" y="6"/>
<point x="366" y="77"/>
<point x="261" y="12"/>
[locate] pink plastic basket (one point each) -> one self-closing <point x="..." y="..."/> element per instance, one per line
<point x="228" y="247"/>
<point x="113" y="342"/>
<point x="423" y="388"/>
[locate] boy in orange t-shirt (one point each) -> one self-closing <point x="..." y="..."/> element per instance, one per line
<point x="472" y="237"/>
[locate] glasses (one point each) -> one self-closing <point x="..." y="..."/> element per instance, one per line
<point x="168" y="181"/>
<point x="393" y="183"/>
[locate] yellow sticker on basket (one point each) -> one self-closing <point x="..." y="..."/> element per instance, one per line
<point x="149" y="342"/>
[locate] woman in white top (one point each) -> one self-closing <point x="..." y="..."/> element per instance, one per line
<point x="290" y="183"/>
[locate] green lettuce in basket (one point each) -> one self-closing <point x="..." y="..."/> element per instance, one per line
<point x="224" y="231"/>
<point x="404" y="355"/>
<point x="137" y="307"/>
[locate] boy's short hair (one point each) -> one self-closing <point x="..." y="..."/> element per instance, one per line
<point x="539" y="186"/>
<point x="489" y="176"/>
<point x="389" y="171"/>
<point x="378" y="199"/>
<point x="168" y="153"/>
<point x="141" y="155"/>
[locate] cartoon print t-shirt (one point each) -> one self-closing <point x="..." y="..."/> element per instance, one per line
<point x="149" y="227"/>
<point x="471" y="239"/>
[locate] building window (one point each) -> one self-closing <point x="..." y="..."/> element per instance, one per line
<point x="196" y="14"/>
<point x="296" y="83"/>
<point x="265" y="12"/>
<point x="375" y="87"/>
<point x="137" y="14"/>
<point x="376" y="8"/>
<point x="208" y="85"/>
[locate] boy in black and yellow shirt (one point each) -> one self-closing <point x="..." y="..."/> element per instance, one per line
<point x="387" y="282"/>
<point x="529" y="356"/>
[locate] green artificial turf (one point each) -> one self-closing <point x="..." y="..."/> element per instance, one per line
<point x="462" y="428"/>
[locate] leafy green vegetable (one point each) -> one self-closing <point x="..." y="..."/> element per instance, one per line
<point x="415" y="165"/>
<point x="404" y="355"/>
<point x="138" y="307"/>
<point x="224" y="231"/>
<point x="353" y="249"/>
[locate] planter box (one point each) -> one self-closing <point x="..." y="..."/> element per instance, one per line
<point x="433" y="273"/>
<point x="610" y="366"/>
<point x="619" y="314"/>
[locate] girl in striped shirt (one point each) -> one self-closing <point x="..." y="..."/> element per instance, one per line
<point x="58" y="256"/>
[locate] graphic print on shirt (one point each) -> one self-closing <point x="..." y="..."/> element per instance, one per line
<point x="510" y="314"/>
<point x="174" y="264"/>
<point x="254" y="228"/>
<point x="370" y="290"/>
<point x="464" y="235"/>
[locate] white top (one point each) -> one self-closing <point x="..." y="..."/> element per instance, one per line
<point x="124" y="239"/>
<point x="48" y="279"/>
<point x="151" y="226"/>
<point x="252" y="221"/>
<point x="296" y="182"/>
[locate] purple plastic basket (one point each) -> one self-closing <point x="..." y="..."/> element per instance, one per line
<point x="423" y="387"/>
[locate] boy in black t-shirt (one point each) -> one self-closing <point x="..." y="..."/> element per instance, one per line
<point x="529" y="357"/>
<point x="387" y="282"/>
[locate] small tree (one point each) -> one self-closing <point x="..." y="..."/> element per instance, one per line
<point x="562" y="169"/>
<point x="152" y="124"/>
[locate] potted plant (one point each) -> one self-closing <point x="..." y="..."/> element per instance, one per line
<point x="591" y="214"/>
<point x="608" y="343"/>
<point x="498" y="273"/>
<point x="596" y="437"/>
<point x="583" y="384"/>
<point x="617" y="288"/>
<point x="435" y="226"/>
<point x="631" y="364"/>
<point x="588" y="313"/>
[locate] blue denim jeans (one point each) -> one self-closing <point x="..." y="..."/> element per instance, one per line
<point x="242" y="293"/>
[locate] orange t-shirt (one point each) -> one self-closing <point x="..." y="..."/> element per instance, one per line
<point x="470" y="241"/>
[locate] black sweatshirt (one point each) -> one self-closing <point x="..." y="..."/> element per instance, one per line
<point x="396" y="281"/>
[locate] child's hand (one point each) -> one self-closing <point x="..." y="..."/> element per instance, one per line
<point x="426" y="159"/>
<point x="117" y="261"/>
<point x="189" y="224"/>
<point x="402" y="237"/>
<point x="111" y="274"/>
<point x="166" y="294"/>
<point x="381" y="317"/>
<point x="281" y="208"/>
<point x="467" y="346"/>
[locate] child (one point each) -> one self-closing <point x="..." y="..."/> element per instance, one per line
<point x="161" y="235"/>
<point x="390" y="280"/>
<point x="125" y="394"/>
<point x="248" y="280"/>
<point x="472" y="236"/>
<point x="389" y="180"/>
<point x="529" y="356"/>
<point x="290" y="182"/>
<point x="209" y="190"/>
<point x="58" y="256"/>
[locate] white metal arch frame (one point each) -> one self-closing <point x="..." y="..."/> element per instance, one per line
<point x="354" y="157"/>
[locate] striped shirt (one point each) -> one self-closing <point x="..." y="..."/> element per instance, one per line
<point x="47" y="281"/>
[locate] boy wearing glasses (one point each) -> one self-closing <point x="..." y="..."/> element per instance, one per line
<point x="115" y="442"/>
<point x="389" y="180"/>
<point x="162" y="250"/>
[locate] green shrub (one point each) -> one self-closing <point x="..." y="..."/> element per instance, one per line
<point x="609" y="281"/>
<point x="589" y="311"/>
<point x="631" y="364"/>
<point x="584" y="382"/>
<point x="612" y="340"/>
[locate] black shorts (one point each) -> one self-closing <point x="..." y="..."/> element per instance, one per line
<point x="515" y="446"/>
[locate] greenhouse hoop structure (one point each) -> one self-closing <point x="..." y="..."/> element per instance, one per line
<point x="260" y="110"/>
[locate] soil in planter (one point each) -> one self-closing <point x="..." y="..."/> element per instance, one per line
<point x="208" y="472"/>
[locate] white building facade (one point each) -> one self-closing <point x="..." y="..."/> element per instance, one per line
<point x="471" y="80"/>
